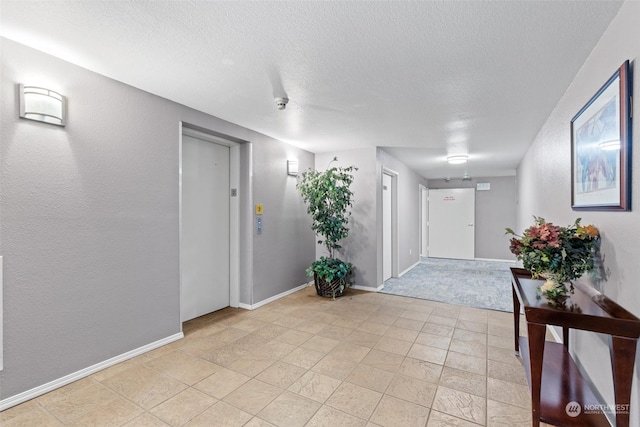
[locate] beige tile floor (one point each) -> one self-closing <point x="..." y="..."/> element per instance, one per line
<point x="365" y="359"/>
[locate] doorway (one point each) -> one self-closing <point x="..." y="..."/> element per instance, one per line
<point x="389" y="224"/>
<point x="424" y="221"/>
<point x="452" y="223"/>
<point x="207" y="228"/>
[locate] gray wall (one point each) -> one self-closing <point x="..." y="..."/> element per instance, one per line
<point x="286" y="246"/>
<point x="89" y="225"/>
<point x="495" y="210"/>
<point x="360" y="248"/>
<point x="408" y="211"/>
<point x="544" y="189"/>
<point x="363" y="247"/>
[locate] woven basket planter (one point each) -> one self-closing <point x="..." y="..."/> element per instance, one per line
<point x="330" y="289"/>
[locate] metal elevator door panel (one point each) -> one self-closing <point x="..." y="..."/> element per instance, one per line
<point x="204" y="253"/>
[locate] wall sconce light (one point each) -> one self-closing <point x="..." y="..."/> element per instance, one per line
<point x="457" y="160"/>
<point x="43" y="105"/>
<point x="292" y="167"/>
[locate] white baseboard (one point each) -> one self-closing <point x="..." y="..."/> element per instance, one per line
<point x="296" y="289"/>
<point x="273" y="298"/>
<point x="496" y="260"/>
<point x="367" y="288"/>
<point x="403" y="273"/>
<point x="67" y="379"/>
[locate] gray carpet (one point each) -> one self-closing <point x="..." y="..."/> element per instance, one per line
<point x="481" y="284"/>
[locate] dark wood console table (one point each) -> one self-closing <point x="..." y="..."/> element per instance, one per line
<point x="554" y="379"/>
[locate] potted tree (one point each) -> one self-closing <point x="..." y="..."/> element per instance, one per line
<point x="329" y="198"/>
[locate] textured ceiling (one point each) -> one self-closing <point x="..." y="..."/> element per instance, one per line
<point x="422" y="79"/>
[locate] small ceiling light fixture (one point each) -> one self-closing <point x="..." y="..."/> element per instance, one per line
<point x="611" y="145"/>
<point x="43" y="105"/>
<point x="292" y="167"/>
<point x="281" y="103"/>
<point x="457" y="160"/>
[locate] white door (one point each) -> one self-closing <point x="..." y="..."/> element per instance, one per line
<point x="424" y="220"/>
<point x="387" y="228"/>
<point x="452" y="223"/>
<point x="204" y="251"/>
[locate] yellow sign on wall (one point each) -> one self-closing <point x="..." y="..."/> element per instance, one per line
<point x="259" y="209"/>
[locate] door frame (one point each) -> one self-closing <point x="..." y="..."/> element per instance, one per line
<point x="234" y="208"/>
<point x="423" y="220"/>
<point x="394" y="219"/>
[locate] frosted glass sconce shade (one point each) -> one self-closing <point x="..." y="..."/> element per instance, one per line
<point x="292" y="167"/>
<point x="43" y="105"/>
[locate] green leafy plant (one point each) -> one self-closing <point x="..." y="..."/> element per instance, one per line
<point x="330" y="269"/>
<point x="329" y="198"/>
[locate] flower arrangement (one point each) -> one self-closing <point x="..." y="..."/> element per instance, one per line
<point x="558" y="254"/>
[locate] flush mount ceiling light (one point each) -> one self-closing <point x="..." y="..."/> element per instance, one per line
<point x="43" y="105"/>
<point x="457" y="160"/>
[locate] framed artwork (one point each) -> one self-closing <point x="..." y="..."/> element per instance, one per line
<point x="601" y="148"/>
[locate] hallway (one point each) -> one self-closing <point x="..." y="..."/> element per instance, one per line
<point x="366" y="359"/>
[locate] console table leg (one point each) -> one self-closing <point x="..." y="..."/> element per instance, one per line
<point x="623" y="355"/>
<point x="536" y="352"/>
<point x="516" y="320"/>
<point x="565" y="337"/>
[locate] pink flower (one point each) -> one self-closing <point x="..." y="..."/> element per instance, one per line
<point x="539" y="245"/>
<point x="532" y="232"/>
<point x="515" y="246"/>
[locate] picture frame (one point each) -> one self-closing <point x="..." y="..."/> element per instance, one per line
<point x="601" y="148"/>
